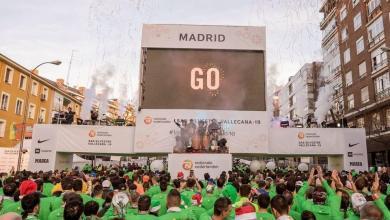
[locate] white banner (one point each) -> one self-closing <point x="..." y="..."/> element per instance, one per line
<point x="203" y="36"/>
<point x="9" y="159"/>
<point x="349" y="142"/>
<point x="355" y="149"/>
<point x="213" y="164"/>
<point x="85" y="138"/>
<point x="159" y="131"/>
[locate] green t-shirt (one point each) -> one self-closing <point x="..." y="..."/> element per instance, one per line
<point x="265" y="216"/>
<point x="208" y="201"/>
<point x="47" y="188"/>
<point x="12" y="207"/>
<point x="100" y="201"/>
<point x="1" y="192"/>
<point x="181" y="215"/>
<point x="153" y="190"/>
<point x="162" y="198"/>
<point x="141" y="217"/>
<point x="6" y="202"/>
<point x="196" y="211"/>
<point x="45" y="207"/>
<point x="187" y="196"/>
<point x="231" y="192"/>
<point x="86" y="198"/>
<point x="31" y="217"/>
<point x="57" y="214"/>
<point x="217" y="192"/>
<point x="205" y="216"/>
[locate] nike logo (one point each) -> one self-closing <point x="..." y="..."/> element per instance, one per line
<point x="41" y="141"/>
<point x="351" y="145"/>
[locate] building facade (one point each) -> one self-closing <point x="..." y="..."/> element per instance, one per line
<point x="14" y="84"/>
<point x="297" y="98"/>
<point x="363" y="34"/>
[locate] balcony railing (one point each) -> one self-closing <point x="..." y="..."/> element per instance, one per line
<point x="380" y="65"/>
<point x="377" y="39"/>
<point x="382" y="95"/>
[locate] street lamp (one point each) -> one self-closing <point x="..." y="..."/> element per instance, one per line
<point x="55" y="62"/>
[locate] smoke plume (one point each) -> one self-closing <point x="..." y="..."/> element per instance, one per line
<point x="99" y="91"/>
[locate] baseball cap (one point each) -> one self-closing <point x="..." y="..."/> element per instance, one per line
<point x="106" y="184"/>
<point x="180" y="175"/>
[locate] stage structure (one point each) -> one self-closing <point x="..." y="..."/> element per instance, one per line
<point x="202" y="99"/>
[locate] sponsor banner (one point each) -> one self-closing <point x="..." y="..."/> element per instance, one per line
<point x="213" y="164"/>
<point x="355" y="147"/>
<point x="203" y="37"/>
<point x="158" y="131"/>
<point x="9" y="157"/>
<point x="43" y="147"/>
<point x="349" y="142"/>
<point x="86" y="139"/>
<point x="306" y="141"/>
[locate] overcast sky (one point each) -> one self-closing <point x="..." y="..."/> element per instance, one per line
<point x="108" y="32"/>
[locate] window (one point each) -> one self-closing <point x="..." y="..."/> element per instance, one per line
<point x="375" y="31"/>
<point x="22" y="82"/>
<point x="351" y="124"/>
<point x="388" y="117"/>
<point x="45" y="93"/>
<point x="344" y="34"/>
<point x="372" y="5"/>
<point x="5" y="97"/>
<point x="8" y="75"/>
<point x="362" y="69"/>
<point x="42" y="115"/>
<point x="360" y="45"/>
<point x="351" y="102"/>
<point x="360" y="122"/>
<point x="348" y="78"/>
<point x="347" y="56"/>
<point x="2" y="127"/>
<point x="19" y="106"/>
<point x="343" y="13"/>
<point x="378" y="58"/>
<point x="31" y="111"/>
<point x="355" y="2"/>
<point x="382" y="83"/>
<point x="364" y="95"/>
<point x="357" y="21"/>
<point x="34" y="88"/>
<point x="376" y="121"/>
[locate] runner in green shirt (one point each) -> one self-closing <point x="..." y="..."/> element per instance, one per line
<point x="154" y="189"/>
<point x="30" y="205"/>
<point x="209" y="199"/>
<point x="143" y="210"/>
<point x="222" y="209"/>
<point x="47" y="185"/>
<point x="174" y="211"/>
<point x="264" y="201"/>
<point x="162" y="197"/>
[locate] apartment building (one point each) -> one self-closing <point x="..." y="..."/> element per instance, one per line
<point x="297" y="98"/>
<point x="14" y="84"/>
<point x="362" y="30"/>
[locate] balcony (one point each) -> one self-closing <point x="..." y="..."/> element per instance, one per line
<point x="383" y="95"/>
<point x="374" y="8"/>
<point x="378" y="66"/>
<point x="377" y="39"/>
